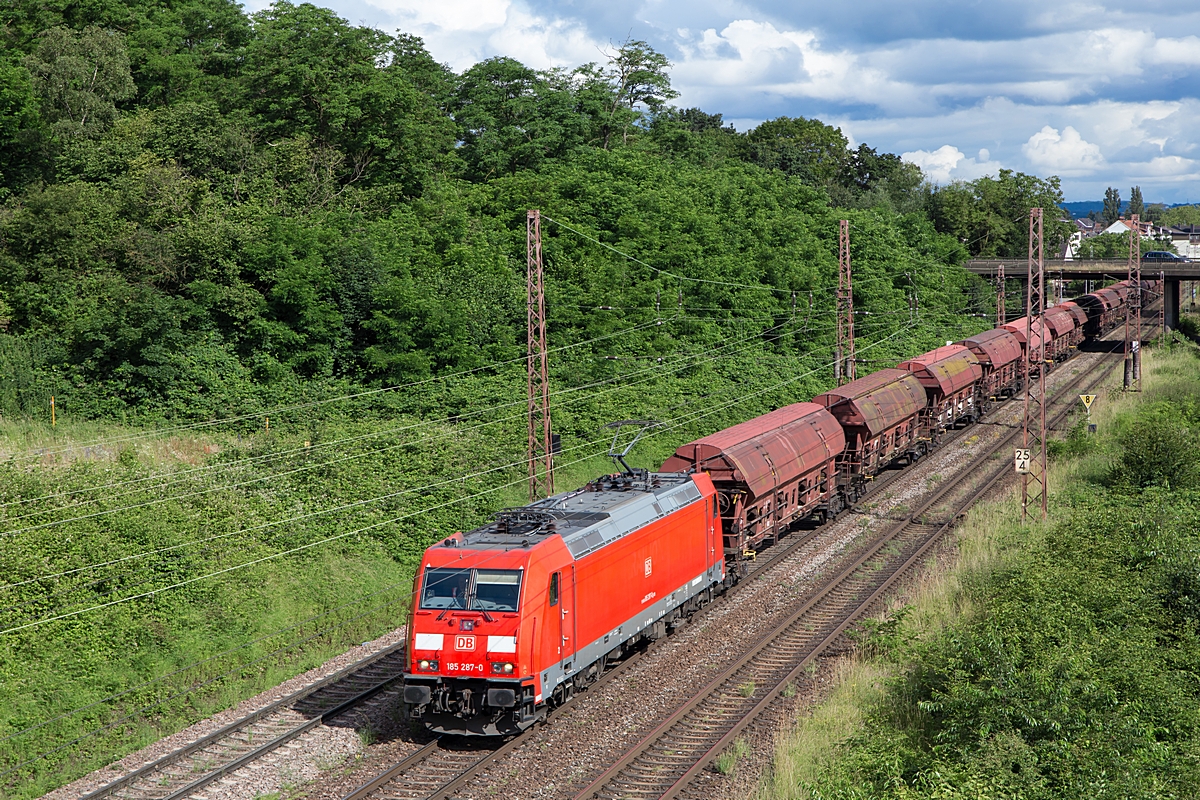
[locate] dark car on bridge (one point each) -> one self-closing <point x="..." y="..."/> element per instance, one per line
<point x="1161" y="255"/>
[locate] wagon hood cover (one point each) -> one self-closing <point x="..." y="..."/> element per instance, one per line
<point x="946" y="369"/>
<point x="767" y="451"/>
<point x="876" y="402"/>
<point x="997" y="347"/>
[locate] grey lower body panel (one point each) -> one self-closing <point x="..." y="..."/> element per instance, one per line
<point x="633" y="627"/>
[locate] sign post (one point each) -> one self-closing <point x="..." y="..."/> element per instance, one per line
<point x="1088" y="399"/>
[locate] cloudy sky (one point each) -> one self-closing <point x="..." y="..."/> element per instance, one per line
<point x="1097" y="92"/>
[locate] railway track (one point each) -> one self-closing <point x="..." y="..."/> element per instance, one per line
<point x="445" y="766"/>
<point x="183" y="772"/>
<point x="441" y="767"/>
<point x="665" y="762"/>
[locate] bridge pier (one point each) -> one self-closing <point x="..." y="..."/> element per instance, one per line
<point x="1171" y="303"/>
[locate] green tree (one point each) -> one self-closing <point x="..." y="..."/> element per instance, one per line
<point x="1136" y="206"/>
<point x="1116" y="245"/>
<point x="635" y="75"/>
<point x="871" y="178"/>
<point x="80" y="78"/>
<point x="309" y="73"/>
<point x="989" y="216"/>
<point x="21" y="131"/>
<point x="511" y="117"/>
<point x="1112" y="206"/>
<point x="187" y="49"/>
<point x="808" y="148"/>
<point x="1181" y="215"/>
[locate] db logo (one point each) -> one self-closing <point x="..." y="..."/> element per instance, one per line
<point x="464" y="642"/>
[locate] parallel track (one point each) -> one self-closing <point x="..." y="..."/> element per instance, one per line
<point x="446" y="764"/>
<point x="665" y="762"/>
<point x="181" y="773"/>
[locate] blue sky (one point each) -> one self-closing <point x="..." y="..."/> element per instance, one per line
<point x="1097" y="92"/>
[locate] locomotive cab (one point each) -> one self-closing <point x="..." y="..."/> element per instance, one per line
<point x="470" y="663"/>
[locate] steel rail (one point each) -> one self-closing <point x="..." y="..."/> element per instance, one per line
<point x="160" y="765"/>
<point x="787" y="544"/>
<point x="714" y="695"/>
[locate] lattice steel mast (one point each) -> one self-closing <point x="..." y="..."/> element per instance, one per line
<point x="1033" y="482"/>
<point x="1133" y="309"/>
<point x="539" y="453"/>
<point x="1162" y="307"/>
<point x="843" y="366"/>
<point x="1000" y="310"/>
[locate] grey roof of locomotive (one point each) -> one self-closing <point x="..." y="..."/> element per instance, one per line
<point x="590" y="518"/>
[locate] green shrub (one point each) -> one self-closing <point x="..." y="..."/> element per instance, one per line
<point x="1158" y="448"/>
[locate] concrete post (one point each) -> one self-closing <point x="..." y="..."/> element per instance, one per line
<point x="1171" y="303"/>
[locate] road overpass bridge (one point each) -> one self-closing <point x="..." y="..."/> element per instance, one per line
<point x="1103" y="271"/>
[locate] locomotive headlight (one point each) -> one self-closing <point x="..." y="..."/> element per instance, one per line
<point x="423" y="665"/>
<point x="508" y="668"/>
<point x="502" y="668"/>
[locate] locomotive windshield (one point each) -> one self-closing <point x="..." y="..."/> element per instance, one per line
<point x="470" y="589"/>
<point x="445" y="588"/>
<point x="496" y="590"/>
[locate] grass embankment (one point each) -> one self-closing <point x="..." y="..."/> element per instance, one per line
<point x="195" y="567"/>
<point x="1054" y="661"/>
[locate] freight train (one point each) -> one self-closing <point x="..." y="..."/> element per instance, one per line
<point x="514" y="617"/>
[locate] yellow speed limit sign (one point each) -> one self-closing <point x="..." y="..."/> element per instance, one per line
<point x="1087" y="400"/>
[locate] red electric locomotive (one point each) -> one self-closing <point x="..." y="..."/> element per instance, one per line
<point x="519" y="614"/>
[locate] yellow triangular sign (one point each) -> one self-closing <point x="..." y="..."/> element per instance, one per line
<point x="1087" y="400"/>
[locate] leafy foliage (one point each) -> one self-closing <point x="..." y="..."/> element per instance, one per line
<point x="990" y="216"/>
<point x="1112" y="206"/>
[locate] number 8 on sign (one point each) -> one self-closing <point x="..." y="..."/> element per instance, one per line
<point x="1021" y="460"/>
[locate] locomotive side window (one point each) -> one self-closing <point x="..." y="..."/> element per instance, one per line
<point x="554" y="589"/>
<point x="445" y="588"/>
<point x="496" y="590"/>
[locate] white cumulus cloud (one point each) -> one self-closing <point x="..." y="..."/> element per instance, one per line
<point x="1065" y="153"/>
<point x="948" y="163"/>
